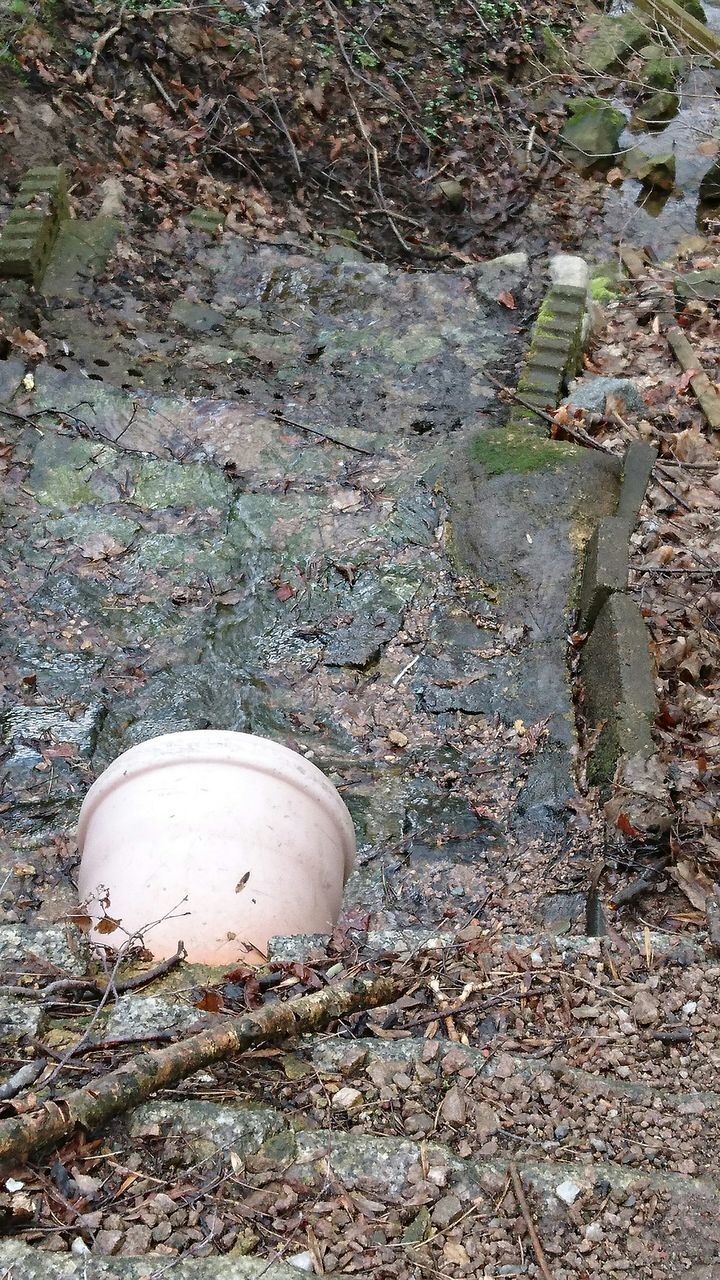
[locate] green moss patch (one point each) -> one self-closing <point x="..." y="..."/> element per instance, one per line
<point x="517" y="451"/>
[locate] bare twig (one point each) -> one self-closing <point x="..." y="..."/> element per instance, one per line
<point x="322" y="435"/>
<point x="160" y="88"/>
<point x="375" y="167"/>
<point x="575" y="433"/>
<point x="534" y="1237"/>
<point x="276" y="110"/>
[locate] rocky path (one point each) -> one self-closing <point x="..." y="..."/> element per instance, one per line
<point x="261" y="489"/>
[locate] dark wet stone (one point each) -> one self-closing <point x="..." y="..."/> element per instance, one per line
<point x="560" y="911"/>
<point x="54" y="724"/>
<point x="544" y="796"/>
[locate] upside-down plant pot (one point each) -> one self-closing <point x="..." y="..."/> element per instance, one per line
<point x="216" y="839"/>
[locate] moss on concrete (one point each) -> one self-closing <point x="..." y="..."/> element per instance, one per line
<point x="603" y="289"/>
<point x="517" y="451"/>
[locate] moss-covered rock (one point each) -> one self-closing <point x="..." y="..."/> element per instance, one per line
<point x="652" y="171"/>
<point x="592" y="131"/>
<point x="612" y="42"/>
<point x="662" y="71"/>
<point x="694" y="8"/>
<point x="656" y="110"/>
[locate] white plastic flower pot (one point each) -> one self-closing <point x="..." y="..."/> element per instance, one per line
<point x="217" y="839"/>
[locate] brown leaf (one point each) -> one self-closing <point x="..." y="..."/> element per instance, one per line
<point x="694" y="883"/>
<point x="242" y="882"/>
<point x="211" y="1002"/>
<point x="507" y="300"/>
<point x="28" y="342"/>
<point x="107" y="925"/>
<point x="101" y="546"/>
<point x="284" y="592"/>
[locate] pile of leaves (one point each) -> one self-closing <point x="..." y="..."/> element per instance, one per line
<point x="400" y="128"/>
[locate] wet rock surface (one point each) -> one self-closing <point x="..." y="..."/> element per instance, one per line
<point x="287" y="557"/>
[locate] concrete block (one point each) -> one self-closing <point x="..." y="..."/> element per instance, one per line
<point x="637" y="469"/>
<point x="606" y="568"/>
<point x="618" y="675"/>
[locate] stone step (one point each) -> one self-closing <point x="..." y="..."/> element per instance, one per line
<point x="30" y="1263"/>
<point x="582" y="1202"/>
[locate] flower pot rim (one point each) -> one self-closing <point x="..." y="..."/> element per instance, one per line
<point x="226" y="747"/>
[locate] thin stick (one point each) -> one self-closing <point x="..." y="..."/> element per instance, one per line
<point x="375" y="158"/>
<point x="278" y="114"/>
<point x="534" y="1237"/>
<point x="581" y="437"/>
<point x="160" y="88"/>
<point x="322" y="435"/>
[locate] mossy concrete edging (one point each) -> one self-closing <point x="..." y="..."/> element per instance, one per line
<point x="616" y="663"/>
<point x="31" y="230"/>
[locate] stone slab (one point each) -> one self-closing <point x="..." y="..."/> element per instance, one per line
<point x="30" y="232"/>
<point x="20" y="1260"/>
<point x="637" y="470"/>
<point x="618" y="676"/>
<point x="81" y="251"/>
<point x="606" y="568"/>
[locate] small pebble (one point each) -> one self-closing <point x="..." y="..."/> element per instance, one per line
<point x="568" y="1191"/>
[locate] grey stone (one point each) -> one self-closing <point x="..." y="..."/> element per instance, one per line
<point x="19" y="1017"/>
<point x="135" y="1015"/>
<point x="64" y="948"/>
<point x="700" y="284"/>
<point x="445" y="1209"/>
<point x="208" y="1126"/>
<point x="560" y="911"/>
<point x="31" y="1263"/>
<point x="196" y="316"/>
<point x="591" y="393"/>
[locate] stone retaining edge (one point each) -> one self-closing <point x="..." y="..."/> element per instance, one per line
<point x="31" y="230"/>
<point x="616" y="663"/>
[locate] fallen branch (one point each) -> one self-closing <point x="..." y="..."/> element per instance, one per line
<point x="89" y="1107"/>
<point x="99" y="986"/>
<point x="640" y="884"/>
<point x="525" y="1211"/>
<point x="707" y="397"/>
<point x="99" y="45"/>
